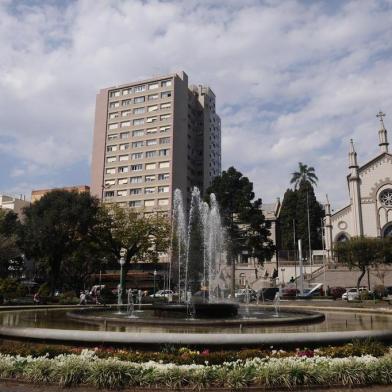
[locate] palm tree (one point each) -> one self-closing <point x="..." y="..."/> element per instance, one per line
<point x="305" y="174"/>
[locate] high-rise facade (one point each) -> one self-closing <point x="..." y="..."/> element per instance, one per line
<point x="151" y="137"/>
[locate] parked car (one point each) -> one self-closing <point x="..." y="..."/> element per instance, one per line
<point x="242" y="294"/>
<point x="163" y="293"/>
<point x="352" y="294"/>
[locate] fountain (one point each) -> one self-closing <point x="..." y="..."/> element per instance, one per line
<point x="197" y="250"/>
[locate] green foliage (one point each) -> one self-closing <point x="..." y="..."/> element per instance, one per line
<point x="68" y="298"/>
<point x="242" y="216"/>
<point x="106" y="296"/>
<point x="55" y="227"/>
<point x="11" y="288"/>
<point x="362" y="253"/>
<point x="305" y="174"/>
<point x="44" y="290"/>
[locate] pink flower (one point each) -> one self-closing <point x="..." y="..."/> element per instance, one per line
<point x="205" y="352"/>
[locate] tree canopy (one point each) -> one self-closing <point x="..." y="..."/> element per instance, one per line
<point x="305" y="173"/>
<point x="56" y="227"/>
<point x="364" y="252"/>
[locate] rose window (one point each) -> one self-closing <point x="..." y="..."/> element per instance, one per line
<point x="386" y="197"/>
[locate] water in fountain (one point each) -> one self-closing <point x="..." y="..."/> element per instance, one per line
<point x="130" y="305"/>
<point x="198" y="247"/>
<point x="139" y="301"/>
<point x="119" y="299"/>
<point x="277" y="304"/>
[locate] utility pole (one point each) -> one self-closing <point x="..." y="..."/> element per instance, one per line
<point x="301" y="268"/>
<point x="310" y="244"/>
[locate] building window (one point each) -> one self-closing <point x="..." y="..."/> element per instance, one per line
<point x="139" y="99"/>
<point x="153" y="86"/>
<point x="124" y="146"/>
<point x="153" y="108"/>
<point x="166" y="105"/>
<point x="135" y="203"/>
<point x="137" y="155"/>
<point x="136" y="180"/>
<point x="164" y="165"/>
<point x="166" y="94"/>
<point x="110" y="183"/>
<point x="137" y="144"/>
<point x="114" y="105"/>
<point x="151" y="154"/>
<point x="112" y="170"/>
<point x="163" y="202"/>
<point x="126" y="113"/>
<point x="113" y="137"/>
<point x="149" y="203"/>
<point x="151" y="166"/>
<point x="163" y="189"/>
<point x="109" y="194"/>
<point x="125" y="124"/>
<point x="149" y="178"/>
<point x="111" y="159"/>
<point x="127" y="91"/>
<point x="166" y="83"/>
<point x="123" y="158"/>
<point x="113" y="115"/>
<point x="138" y="121"/>
<point x="152" y="97"/>
<point x="164" y="129"/>
<point x="151" y="131"/>
<point x="138" y="167"/>
<point x="122" y="181"/>
<point x="139" y="110"/>
<point x="164" y="140"/>
<point x="137" y="133"/>
<point x="165" y="116"/>
<point x="111" y="148"/>
<point x="151" y="142"/>
<point x="135" y="191"/>
<point x="113" y="126"/>
<point x="122" y="193"/>
<point x="123" y="169"/>
<point x="126" y="102"/>
<point x="386" y="197"/>
<point x="124" y="135"/>
<point x="149" y="190"/>
<point x="163" y="176"/>
<point x="114" y="94"/>
<point x="139" y="89"/>
<point x="164" y="152"/>
<point x="151" y="119"/>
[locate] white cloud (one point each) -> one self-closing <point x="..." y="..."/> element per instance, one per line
<point x="294" y="80"/>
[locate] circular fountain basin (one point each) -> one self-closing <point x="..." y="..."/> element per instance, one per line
<point x="198" y="310"/>
<point x="253" y="326"/>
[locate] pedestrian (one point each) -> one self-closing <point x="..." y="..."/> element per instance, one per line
<point x="82" y="298"/>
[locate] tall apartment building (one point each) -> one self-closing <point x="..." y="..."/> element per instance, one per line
<point x="151" y="137"/>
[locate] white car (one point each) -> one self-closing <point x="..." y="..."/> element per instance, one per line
<point x="352" y="294"/>
<point x="163" y="293"/>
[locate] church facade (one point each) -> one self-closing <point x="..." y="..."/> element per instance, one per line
<point x="370" y="191"/>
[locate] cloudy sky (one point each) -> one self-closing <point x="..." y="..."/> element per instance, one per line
<point x="294" y="80"/>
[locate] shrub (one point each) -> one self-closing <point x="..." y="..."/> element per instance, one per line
<point x="106" y="296"/>
<point x="337" y="292"/>
<point x="44" y="290"/>
<point x="10" y="288"/>
<point x="379" y="291"/>
<point x="68" y="297"/>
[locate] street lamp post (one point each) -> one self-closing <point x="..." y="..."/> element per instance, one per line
<point x="123" y="252"/>
<point x="282" y="269"/>
<point x="155" y="274"/>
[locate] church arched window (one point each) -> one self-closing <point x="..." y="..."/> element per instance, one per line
<point x="386" y="197"/>
<point x="342" y="237"/>
<point x="387" y="231"/>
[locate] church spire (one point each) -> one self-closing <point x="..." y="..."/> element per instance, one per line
<point x="352" y="156"/>
<point x="382" y="133"/>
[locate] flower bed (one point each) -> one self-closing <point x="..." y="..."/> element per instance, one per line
<point x="294" y="371"/>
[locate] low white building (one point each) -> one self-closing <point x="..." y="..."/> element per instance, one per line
<point x="13" y="203"/>
<point x="369" y="212"/>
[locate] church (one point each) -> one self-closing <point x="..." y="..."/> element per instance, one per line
<point x="370" y="193"/>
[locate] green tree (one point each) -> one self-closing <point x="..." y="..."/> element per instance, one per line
<point x="242" y="217"/>
<point x="143" y="236"/>
<point x="287" y="220"/>
<point x="57" y="226"/>
<point x="305" y="173"/>
<point x="363" y="252"/>
<point x="9" y="250"/>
